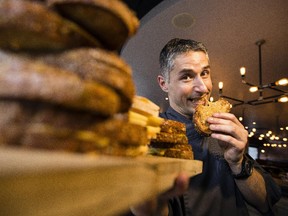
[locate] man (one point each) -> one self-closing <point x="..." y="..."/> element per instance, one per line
<point x="229" y="180"/>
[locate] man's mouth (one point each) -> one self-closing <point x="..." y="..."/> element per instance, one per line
<point x="198" y="100"/>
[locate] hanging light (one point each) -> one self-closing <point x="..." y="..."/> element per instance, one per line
<point x="253" y="89"/>
<point x="220" y="85"/>
<point x="281" y="97"/>
<point x="282" y="82"/>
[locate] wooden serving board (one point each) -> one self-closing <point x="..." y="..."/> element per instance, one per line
<point x="52" y="183"/>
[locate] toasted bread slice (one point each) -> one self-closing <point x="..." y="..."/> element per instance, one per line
<point x="171" y="126"/>
<point x="168" y="140"/>
<point x="30" y="80"/>
<point x="111" y="21"/>
<point x="31" y="26"/>
<point x="97" y="65"/>
<point x="113" y="136"/>
<point x="144" y="106"/>
<point x="204" y="111"/>
<point x="179" y="153"/>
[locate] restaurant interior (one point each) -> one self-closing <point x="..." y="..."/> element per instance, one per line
<point x="80" y="101"/>
<point x="247" y="43"/>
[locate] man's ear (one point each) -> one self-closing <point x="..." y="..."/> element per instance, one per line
<point x="162" y="83"/>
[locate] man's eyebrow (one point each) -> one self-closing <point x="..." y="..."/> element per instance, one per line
<point x="187" y="70"/>
<point x="207" y="67"/>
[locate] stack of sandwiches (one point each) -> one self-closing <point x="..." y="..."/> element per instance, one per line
<point x="63" y="85"/>
<point x="166" y="137"/>
<point x="171" y="141"/>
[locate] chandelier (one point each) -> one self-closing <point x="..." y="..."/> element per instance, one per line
<point x="282" y="95"/>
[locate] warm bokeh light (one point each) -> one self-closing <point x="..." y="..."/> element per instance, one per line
<point x="242" y="71"/>
<point x="283" y="99"/>
<point x="282" y="82"/>
<point x="220" y="85"/>
<point x="253" y="89"/>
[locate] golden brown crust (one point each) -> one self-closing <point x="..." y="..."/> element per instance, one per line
<point x="20" y="114"/>
<point x="31" y="26"/>
<point x="171" y="141"/>
<point x="168" y="139"/>
<point x="112" y="136"/>
<point x="202" y="112"/>
<point x="179" y="153"/>
<point x="21" y="78"/>
<point x="144" y="106"/>
<point x="123" y="132"/>
<point x="44" y="126"/>
<point x="182" y="151"/>
<point x="97" y="16"/>
<point x="171" y="126"/>
<point x="41" y="136"/>
<point x="97" y="65"/>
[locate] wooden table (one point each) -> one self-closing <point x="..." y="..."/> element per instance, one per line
<point x="53" y="183"/>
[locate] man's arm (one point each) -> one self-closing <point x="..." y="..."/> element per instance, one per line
<point x="227" y="128"/>
<point x="252" y="188"/>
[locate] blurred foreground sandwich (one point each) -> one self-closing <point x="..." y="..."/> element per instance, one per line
<point x="145" y="113"/>
<point x="63" y="86"/>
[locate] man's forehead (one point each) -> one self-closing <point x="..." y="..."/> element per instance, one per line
<point x="191" y="56"/>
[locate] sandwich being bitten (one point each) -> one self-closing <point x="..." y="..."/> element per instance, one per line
<point x="204" y="111"/>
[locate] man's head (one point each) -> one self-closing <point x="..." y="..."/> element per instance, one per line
<point x="185" y="74"/>
<point x="174" y="48"/>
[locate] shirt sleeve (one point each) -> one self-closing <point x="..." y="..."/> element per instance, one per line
<point x="272" y="189"/>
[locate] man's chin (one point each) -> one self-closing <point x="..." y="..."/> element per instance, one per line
<point x="190" y="110"/>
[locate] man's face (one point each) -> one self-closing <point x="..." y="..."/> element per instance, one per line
<point x="190" y="81"/>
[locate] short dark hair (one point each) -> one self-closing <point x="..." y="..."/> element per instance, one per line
<point x="174" y="48"/>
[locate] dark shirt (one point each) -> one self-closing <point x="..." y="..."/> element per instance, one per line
<point x="214" y="191"/>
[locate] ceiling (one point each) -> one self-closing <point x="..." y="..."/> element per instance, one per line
<point x="229" y="29"/>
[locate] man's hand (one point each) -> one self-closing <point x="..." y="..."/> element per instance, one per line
<point x="159" y="205"/>
<point x="227" y="128"/>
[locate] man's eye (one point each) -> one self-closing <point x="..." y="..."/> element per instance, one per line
<point x="187" y="78"/>
<point x="205" y="73"/>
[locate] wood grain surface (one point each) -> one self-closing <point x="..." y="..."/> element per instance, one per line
<point x="54" y="183"/>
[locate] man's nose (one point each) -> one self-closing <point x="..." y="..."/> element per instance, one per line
<point x="199" y="85"/>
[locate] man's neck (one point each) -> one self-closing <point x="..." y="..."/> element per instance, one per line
<point x="178" y="110"/>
